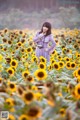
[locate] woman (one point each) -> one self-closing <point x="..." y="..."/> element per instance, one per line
<point x="42" y="40"/>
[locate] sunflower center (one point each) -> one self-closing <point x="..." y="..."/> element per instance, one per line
<point x="68" y="65"/>
<point x="4" y="40"/>
<point x="67" y="50"/>
<point x="11" y="85"/>
<point x="10" y="71"/>
<point x="25" y="74"/>
<point x="29" y="78"/>
<point x="28" y="49"/>
<point x="50" y="67"/>
<point x="9" y="42"/>
<point x="73" y="65"/>
<point x="61" y="64"/>
<point x="8" y="60"/>
<point x="23" y="41"/>
<point x="33" y="112"/>
<point x="43" y="60"/>
<point x="24" y="118"/>
<point x="41" y="66"/>
<point x="22" y="50"/>
<point x="13" y="63"/>
<point x="20" y="91"/>
<point x="19" y="44"/>
<point x="62" y="112"/>
<point x="78" y="72"/>
<point x="79" y="90"/>
<point x="40" y="74"/>
<point x="67" y="59"/>
<point x="29" y="96"/>
<point x="10" y="118"/>
<point x="56" y="66"/>
<point x="8" y="103"/>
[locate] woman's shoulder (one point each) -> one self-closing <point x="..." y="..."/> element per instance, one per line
<point x="51" y="35"/>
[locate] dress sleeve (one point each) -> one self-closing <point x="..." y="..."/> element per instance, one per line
<point x="53" y="44"/>
<point x="37" y="37"/>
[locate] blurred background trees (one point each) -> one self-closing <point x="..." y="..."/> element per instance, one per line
<point x="32" y="13"/>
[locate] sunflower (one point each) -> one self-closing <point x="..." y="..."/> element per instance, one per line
<point x="23" y="117"/>
<point x="20" y="32"/>
<point x="10" y="101"/>
<point x="73" y="65"/>
<point x="34" y="59"/>
<point x="4" y="40"/>
<point x="29" y="78"/>
<point x="14" y="63"/>
<point x="62" y="112"/>
<point x="38" y="96"/>
<point x="78" y="79"/>
<point x="40" y="74"/>
<point x="16" y="47"/>
<point x="34" y="112"/>
<point x="0" y="80"/>
<point x="56" y="65"/>
<point x="12" y="86"/>
<point x="64" y="50"/>
<point x="54" y="52"/>
<point x="8" y="59"/>
<point x="68" y="51"/>
<point x="29" y="49"/>
<point x="42" y="59"/>
<point x="19" y="44"/>
<point x="23" y="40"/>
<point x="77" y="90"/>
<point x="9" y="42"/>
<point x="52" y="61"/>
<point x="78" y="55"/>
<point x="50" y="67"/>
<point x="42" y="65"/>
<point x="25" y="74"/>
<point x="78" y="72"/>
<point x="68" y="65"/>
<point x="61" y="64"/>
<point x="28" y="97"/>
<point x="20" y="90"/>
<point x="5" y="48"/>
<point x="10" y="70"/>
<point x="22" y="50"/>
<point x="67" y="59"/>
<point x="6" y="30"/>
<point x="34" y="88"/>
<point x="51" y="103"/>
<point x="59" y="57"/>
<point x="11" y="117"/>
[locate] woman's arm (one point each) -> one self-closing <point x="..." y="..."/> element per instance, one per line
<point x="37" y="37"/>
<point x="53" y="44"/>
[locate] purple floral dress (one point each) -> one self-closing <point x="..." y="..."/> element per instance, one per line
<point x="44" y="41"/>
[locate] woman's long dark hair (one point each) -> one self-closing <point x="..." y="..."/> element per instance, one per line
<point x="48" y="25"/>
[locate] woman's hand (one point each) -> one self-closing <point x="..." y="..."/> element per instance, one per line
<point x="41" y="35"/>
<point x="44" y="33"/>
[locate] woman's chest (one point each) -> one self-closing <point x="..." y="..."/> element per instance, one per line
<point x="44" y="40"/>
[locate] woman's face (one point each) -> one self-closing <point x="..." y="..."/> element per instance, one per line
<point x="45" y="29"/>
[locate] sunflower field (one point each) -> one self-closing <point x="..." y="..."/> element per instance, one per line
<point x="33" y="90"/>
